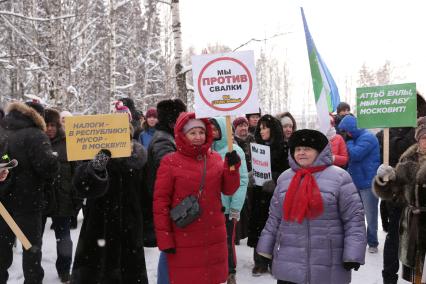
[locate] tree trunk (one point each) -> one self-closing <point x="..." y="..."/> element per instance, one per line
<point x="177" y="36"/>
<point x="112" y="50"/>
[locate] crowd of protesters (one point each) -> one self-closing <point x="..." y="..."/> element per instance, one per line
<point x="311" y="222"/>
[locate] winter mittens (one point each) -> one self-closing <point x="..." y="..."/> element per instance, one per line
<point x="351" y="265"/>
<point x="386" y="170"/>
<point x="232" y="158"/>
<point x="100" y="161"/>
<point x="269" y="186"/>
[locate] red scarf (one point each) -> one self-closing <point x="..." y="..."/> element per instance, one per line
<point x="303" y="198"/>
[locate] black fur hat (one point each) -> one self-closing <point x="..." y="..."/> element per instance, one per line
<point x="36" y="106"/>
<point x="168" y="112"/>
<point x="52" y="116"/>
<point x="308" y="138"/>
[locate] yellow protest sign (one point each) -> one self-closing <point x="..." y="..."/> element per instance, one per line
<point x="87" y="134"/>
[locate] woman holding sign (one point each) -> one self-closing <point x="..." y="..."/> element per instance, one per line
<point x="406" y="185"/>
<point x="268" y="132"/>
<point x="315" y="232"/>
<point x="188" y="217"/>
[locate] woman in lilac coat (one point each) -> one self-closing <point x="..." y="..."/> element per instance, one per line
<point x="315" y="232"/>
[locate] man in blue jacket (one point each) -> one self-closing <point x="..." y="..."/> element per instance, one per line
<point x="364" y="159"/>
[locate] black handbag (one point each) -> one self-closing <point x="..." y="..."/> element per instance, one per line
<point x="188" y="210"/>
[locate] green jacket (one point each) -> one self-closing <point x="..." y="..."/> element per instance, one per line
<point x="235" y="201"/>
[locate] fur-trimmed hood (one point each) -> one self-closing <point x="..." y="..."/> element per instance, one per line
<point x="19" y="115"/>
<point x="412" y="166"/>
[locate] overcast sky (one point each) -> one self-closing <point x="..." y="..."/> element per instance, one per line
<point x="346" y="33"/>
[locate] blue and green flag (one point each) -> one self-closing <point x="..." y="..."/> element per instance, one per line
<point x="325" y="90"/>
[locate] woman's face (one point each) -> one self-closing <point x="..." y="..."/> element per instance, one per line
<point x="216" y="132"/>
<point x="305" y="156"/>
<point x="151" y="121"/>
<point x="422" y="142"/>
<point x="265" y="132"/>
<point x="196" y="136"/>
<point x="288" y="130"/>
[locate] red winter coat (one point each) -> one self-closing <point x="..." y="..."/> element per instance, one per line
<point x="340" y="153"/>
<point x="201" y="251"/>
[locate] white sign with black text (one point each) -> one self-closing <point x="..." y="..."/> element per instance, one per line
<point x="261" y="163"/>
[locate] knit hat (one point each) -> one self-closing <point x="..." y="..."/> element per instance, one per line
<point x="286" y="121"/>
<point x="121" y="108"/>
<point x="169" y="110"/>
<point x="152" y="112"/>
<point x="36" y="106"/>
<point x="239" y="120"/>
<point x="421" y="127"/>
<point x="52" y="116"/>
<point x="193" y="123"/>
<point x="342" y="106"/>
<point x="308" y="138"/>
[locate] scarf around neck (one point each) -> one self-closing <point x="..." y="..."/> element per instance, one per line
<point x="303" y="198"/>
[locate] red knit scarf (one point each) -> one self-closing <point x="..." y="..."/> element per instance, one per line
<point x="303" y="198"/>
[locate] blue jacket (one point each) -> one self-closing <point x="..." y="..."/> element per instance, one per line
<point x="364" y="153"/>
<point x="146" y="137"/>
<point x="235" y="201"/>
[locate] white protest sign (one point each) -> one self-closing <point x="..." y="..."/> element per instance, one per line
<point x="225" y="84"/>
<point x="261" y="163"/>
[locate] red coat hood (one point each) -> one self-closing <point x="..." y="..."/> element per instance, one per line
<point x="182" y="143"/>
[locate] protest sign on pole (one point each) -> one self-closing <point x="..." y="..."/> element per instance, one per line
<point x="225" y="86"/>
<point x="261" y="163"/>
<point x="86" y="135"/>
<point x="385" y="107"/>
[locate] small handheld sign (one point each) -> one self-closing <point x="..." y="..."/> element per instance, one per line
<point x="261" y="163"/>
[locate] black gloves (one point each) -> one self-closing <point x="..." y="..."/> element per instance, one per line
<point x="269" y="186"/>
<point x="232" y="158"/>
<point x="351" y="265"/>
<point x="170" y="250"/>
<point x="100" y="161"/>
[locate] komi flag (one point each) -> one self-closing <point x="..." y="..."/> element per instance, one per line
<point x="325" y="90"/>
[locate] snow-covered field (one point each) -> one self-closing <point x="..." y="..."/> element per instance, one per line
<point x="370" y="273"/>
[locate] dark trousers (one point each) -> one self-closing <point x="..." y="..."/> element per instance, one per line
<point x="390" y="251"/>
<point x="230" y="239"/>
<point x="30" y="224"/>
<point x="61" y="226"/>
<point x="261" y="261"/>
<point x="284" y="282"/>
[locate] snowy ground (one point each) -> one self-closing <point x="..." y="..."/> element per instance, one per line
<point x="370" y="273"/>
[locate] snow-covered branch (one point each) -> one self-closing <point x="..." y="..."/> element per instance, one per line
<point x="35" y="18"/>
<point x="125" y="86"/>
<point x="80" y="32"/>
<point x="86" y="56"/>
<point x="122" y="3"/>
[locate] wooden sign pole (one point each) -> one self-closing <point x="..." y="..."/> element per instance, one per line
<point x="14" y="227"/>
<point x="386" y="150"/>
<point x="229" y="137"/>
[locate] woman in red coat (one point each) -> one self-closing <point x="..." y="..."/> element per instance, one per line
<point x="197" y="253"/>
<point x="338" y="146"/>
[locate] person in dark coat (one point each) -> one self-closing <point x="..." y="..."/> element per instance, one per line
<point x="137" y="116"/>
<point x="268" y="132"/>
<point x="110" y="246"/>
<point x="253" y="119"/>
<point x="406" y="185"/>
<point x="162" y="143"/>
<point x="243" y="139"/>
<point x="23" y="134"/>
<point x="60" y="196"/>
